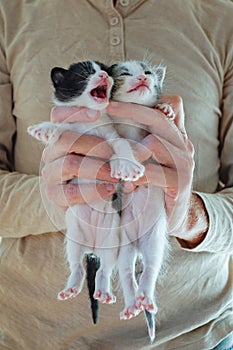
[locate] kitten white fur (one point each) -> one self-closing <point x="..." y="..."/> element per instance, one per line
<point x="89" y="229"/>
<point x="142" y="229"/>
<point x="144" y="220"/>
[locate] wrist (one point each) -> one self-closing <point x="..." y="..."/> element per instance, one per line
<point x="196" y="225"/>
<point x="192" y="242"/>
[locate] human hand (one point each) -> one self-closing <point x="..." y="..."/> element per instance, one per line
<point x="168" y="144"/>
<point x="65" y="160"/>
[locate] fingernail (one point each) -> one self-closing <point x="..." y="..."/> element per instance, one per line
<point x="109" y="188"/>
<point x="128" y="187"/>
<point x="91" y="113"/>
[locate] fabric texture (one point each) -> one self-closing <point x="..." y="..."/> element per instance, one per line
<point x="226" y="344"/>
<point x="193" y="38"/>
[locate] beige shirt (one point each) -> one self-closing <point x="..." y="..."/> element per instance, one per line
<point x="194" y="38"/>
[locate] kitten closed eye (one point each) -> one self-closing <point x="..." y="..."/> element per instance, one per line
<point x="125" y="74"/>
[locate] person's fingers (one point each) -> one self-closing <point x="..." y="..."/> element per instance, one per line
<point x="176" y="102"/>
<point x="151" y="118"/>
<point x="65" y="195"/>
<point x="158" y="175"/>
<point x="135" y="112"/>
<point x="165" y="153"/>
<point x="68" y="167"/>
<point x="141" y="150"/>
<point x="73" y="142"/>
<point x="73" y="114"/>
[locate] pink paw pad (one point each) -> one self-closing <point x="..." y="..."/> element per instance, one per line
<point x="104" y="297"/>
<point x="147" y="303"/>
<point x="67" y="294"/>
<point x="130" y="312"/>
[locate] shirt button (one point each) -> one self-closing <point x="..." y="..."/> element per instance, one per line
<point x="115" y="40"/>
<point x="114" y="21"/>
<point x="124" y="2"/>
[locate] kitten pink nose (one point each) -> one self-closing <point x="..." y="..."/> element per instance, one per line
<point x="142" y="78"/>
<point x="103" y="75"/>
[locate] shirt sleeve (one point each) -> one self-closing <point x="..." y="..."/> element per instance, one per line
<point x="219" y="206"/>
<point x="21" y="208"/>
<point x="219" y="237"/>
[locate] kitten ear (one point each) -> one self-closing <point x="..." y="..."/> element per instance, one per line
<point x="57" y="75"/>
<point x="102" y="65"/>
<point x="160" y="71"/>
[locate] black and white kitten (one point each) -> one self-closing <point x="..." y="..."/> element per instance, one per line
<point x="90" y="229"/>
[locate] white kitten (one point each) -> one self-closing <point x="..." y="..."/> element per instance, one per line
<point x="143" y="217"/>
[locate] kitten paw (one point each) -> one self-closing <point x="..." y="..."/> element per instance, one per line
<point x="167" y="110"/>
<point x="126" y="170"/>
<point x="44" y="132"/>
<point x="104" y="297"/>
<point x="130" y="311"/>
<point x="67" y="293"/>
<point x="146" y="302"/>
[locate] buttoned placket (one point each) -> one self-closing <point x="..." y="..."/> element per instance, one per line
<point x="115" y="18"/>
<point x="124" y="3"/>
<point x="116" y="35"/>
<point x="116" y="22"/>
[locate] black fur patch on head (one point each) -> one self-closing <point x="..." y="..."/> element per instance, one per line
<point x="115" y="72"/>
<point x="72" y="82"/>
<point x="102" y="66"/>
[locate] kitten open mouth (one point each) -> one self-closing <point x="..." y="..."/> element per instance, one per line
<point x="99" y="93"/>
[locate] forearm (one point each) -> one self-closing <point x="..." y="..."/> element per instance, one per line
<point x="22" y="211"/>
<point x="213" y="229"/>
<point x="196" y="225"/>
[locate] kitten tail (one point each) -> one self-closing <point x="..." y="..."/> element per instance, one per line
<point x="93" y="264"/>
<point x="150" y="320"/>
<point x="117" y="197"/>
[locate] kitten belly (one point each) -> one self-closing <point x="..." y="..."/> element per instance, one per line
<point x="142" y="210"/>
<point x="129" y="130"/>
<point x="94" y="226"/>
